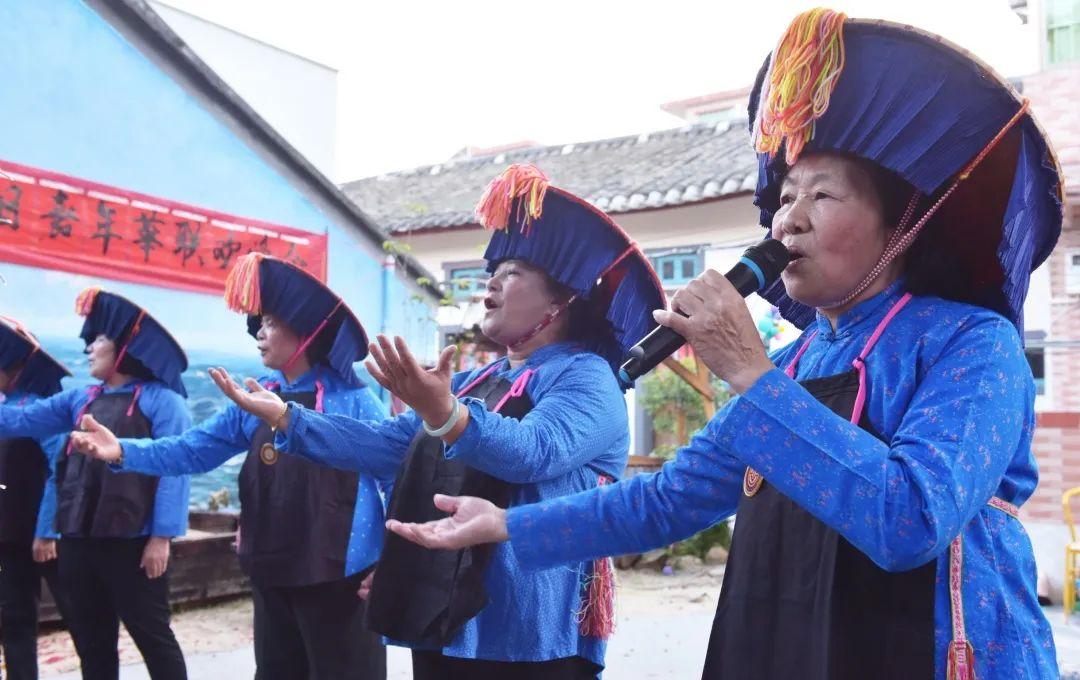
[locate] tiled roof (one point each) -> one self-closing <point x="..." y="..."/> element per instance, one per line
<point x="698" y="162"/>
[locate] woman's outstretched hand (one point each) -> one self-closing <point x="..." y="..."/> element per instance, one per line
<point x="96" y="440"/>
<point x="472" y="521"/>
<point x="256" y="399"/>
<point x="426" y="391"/>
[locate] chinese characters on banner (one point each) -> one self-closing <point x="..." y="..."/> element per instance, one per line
<point x="57" y="222"/>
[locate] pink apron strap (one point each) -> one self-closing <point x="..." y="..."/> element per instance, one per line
<point x="516" y="390"/>
<point x="860" y="361"/>
<point x="483" y="376"/>
<point x="134" y="400"/>
<point x="93" y="392"/>
<point x="790" y="370"/>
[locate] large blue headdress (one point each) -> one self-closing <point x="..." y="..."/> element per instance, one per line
<point x="259" y="284"/>
<point x="932" y="114"/>
<point x="135" y="333"/>
<point x="577" y="245"/>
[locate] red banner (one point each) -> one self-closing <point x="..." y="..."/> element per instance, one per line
<point x="58" y="222"/>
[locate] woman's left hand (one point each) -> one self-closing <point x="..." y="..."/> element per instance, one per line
<point x="155" y="557"/>
<point x="427" y="391"/>
<point x="719" y="328"/>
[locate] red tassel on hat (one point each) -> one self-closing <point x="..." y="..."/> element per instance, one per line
<point x="84" y="304"/>
<point x="242" y="285"/>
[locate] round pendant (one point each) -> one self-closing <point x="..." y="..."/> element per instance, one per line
<point x="751" y="482"/>
<point x="268" y="454"/>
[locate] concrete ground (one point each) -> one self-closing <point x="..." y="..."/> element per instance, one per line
<point x="663" y="630"/>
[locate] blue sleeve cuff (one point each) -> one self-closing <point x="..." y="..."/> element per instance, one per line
<point x="131" y="458"/>
<point x="289" y="439"/>
<point x="531" y="548"/>
<point x="473" y="434"/>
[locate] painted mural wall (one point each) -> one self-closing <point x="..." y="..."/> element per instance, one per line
<point x="79" y="99"/>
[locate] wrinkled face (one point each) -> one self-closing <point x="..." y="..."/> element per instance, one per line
<point x="517" y="299"/>
<point x="831" y="219"/>
<point x="276" y="341"/>
<point x="101" y="355"/>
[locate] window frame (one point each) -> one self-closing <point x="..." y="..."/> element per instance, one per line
<point x="476" y="289"/>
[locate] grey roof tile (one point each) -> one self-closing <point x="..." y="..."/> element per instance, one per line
<point x="698" y="162"/>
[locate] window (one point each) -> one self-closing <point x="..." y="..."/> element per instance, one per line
<point x="1062" y="31"/>
<point x="678" y="267"/>
<point x="1072" y="272"/>
<point x="465" y="282"/>
<point x="1036" y="357"/>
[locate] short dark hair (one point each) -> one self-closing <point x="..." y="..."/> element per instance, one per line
<point x="585" y="321"/>
<point x="932" y="265"/>
<point x="129" y="365"/>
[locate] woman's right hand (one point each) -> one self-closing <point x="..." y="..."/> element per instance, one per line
<point x="96" y="440"/>
<point x="43" y="550"/>
<point x="472" y="521"/>
<point x="256" y="400"/>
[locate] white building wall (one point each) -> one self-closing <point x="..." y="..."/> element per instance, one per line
<point x="297" y="96"/>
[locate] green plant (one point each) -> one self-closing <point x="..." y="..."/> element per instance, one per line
<point x="667" y="399"/>
<point x="700" y="543"/>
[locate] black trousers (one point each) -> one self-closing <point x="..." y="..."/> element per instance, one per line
<point x="315" y="632"/>
<point x="20" y="593"/>
<point x="435" y="666"/>
<point x="105" y="586"/>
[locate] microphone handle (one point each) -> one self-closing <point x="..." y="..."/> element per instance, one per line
<point x="662" y="342"/>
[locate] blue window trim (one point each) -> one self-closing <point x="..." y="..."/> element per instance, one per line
<point x="1062" y="32"/>
<point x="468" y="270"/>
<point x="677" y="258"/>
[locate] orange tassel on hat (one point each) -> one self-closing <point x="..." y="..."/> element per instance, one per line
<point x="84" y="304"/>
<point x="242" y="285"/>
<point x="522" y="182"/>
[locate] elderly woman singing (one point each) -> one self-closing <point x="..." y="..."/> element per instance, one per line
<point x="568" y="295"/>
<point x="877" y="463"/>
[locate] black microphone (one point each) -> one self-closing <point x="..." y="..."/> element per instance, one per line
<point x="758" y="267"/>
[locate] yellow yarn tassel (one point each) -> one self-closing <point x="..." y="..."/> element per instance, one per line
<point x="524" y="183"/>
<point x="84" y="304"/>
<point x="803" y="73"/>
<point x="242" y="285"/>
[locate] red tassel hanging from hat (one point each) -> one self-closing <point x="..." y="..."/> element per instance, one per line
<point x="242" y="285"/>
<point x="803" y="72"/>
<point x="524" y="183"/>
<point x="597" y="615"/>
<point x="84" y="304"/>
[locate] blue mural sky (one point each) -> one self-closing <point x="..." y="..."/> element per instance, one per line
<point x="81" y="100"/>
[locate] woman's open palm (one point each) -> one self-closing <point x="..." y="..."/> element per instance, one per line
<point x="473" y="521"/>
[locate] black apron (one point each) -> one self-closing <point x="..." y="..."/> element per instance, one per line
<point x="799" y="601"/>
<point x="24" y="468"/>
<point x="423" y="597"/>
<point x="295" y="516"/>
<point x="94" y="501"/>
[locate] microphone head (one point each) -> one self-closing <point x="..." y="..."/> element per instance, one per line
<point x="771" y="257"/>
